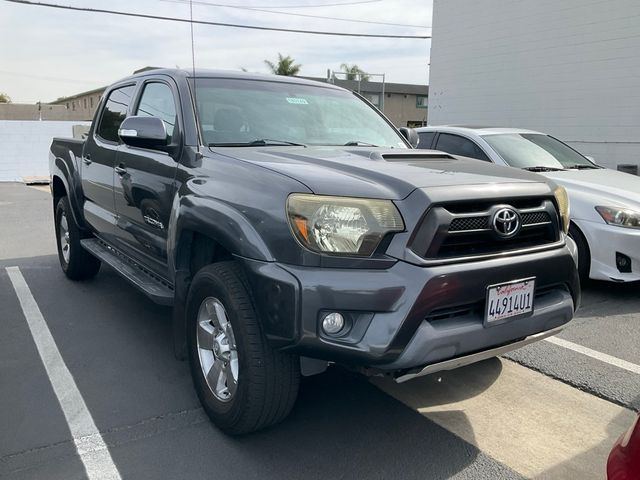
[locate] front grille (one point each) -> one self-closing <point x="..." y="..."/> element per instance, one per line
<point x="469" y="223"/>
<point x="465" y="229"/>
<point x="482" y="223"/>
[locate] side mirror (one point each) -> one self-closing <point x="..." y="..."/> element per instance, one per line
<point x="144" y="132"/>
<point x="411" y="135"/>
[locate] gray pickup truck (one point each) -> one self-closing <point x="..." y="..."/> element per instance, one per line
<point x="291" y="225"/>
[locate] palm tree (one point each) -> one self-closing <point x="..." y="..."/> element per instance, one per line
<point x="285" y="66"/>
<point x="4" y="98"/>
<point x="354" y="72"/>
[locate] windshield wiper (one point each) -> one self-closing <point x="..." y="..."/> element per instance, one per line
<point x="542" y="168"/>
<point x="581" y="166"/>
<point x="261" y="142"/>
<point x="258" y="142"/>
<point x="358" y="143"/>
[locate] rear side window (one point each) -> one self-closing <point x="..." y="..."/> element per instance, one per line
<point x="457" y="145"/>
<point x="426" y="139"/>
<point x="114" y="112"/>
<point x="157" y="101"/>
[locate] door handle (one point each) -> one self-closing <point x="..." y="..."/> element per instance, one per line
<point x="120" y="170"/>
<point x="87" y="159"/>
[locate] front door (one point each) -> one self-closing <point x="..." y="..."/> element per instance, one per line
<point x="144" y="183"/>
<point x="98" y="161"/>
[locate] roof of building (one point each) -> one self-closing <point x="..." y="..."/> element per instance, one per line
<point x="77" y="95"/>
<point x="376" y="87"/>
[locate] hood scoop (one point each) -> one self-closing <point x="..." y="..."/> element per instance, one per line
<point x="416" y="157"/>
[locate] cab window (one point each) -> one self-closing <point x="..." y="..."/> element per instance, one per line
<point x="114" y="112"/>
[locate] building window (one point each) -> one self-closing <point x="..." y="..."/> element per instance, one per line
<point x="373" y="98"/>
<point x="91" y="101"/>
<point x="422" y="101"/>
<point x="84" y="101"/>
<point x="67" y="105"/>
<point x="73" y="106"/>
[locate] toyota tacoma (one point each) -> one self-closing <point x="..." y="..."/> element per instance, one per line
<point x="290" y="225"/>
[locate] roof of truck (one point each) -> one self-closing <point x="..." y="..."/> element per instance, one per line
<point x="232" y="74"/>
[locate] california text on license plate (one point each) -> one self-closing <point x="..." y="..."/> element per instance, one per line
<point x="510" y="300"/>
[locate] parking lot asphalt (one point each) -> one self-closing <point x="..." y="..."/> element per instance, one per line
<point x="117" y="347"/>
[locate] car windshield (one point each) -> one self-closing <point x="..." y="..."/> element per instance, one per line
<point x="257" y="112"/>
<point x="531" y="150"/>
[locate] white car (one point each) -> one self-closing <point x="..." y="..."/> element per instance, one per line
<point x="605" y="204"/>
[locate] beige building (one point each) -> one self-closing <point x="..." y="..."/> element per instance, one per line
<point x="404" y="104"/>
<point x="81" y="106"/>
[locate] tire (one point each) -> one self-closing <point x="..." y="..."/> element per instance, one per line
<point x="584" y="254"/>
<point x="76" y="262"/>
<point x="267" y="380"/>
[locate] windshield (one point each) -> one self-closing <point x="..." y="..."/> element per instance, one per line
<point x="253" y="112"/>
<point x="526" y="150"/>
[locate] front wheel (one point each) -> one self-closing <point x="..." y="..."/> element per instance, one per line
<point x="243" y="383"/>
<point x="76" y="262"/>
<point x="584" y="255"/>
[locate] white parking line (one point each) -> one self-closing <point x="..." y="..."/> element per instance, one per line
<point x="603" y="357"/>
<point x="89" y="443"/>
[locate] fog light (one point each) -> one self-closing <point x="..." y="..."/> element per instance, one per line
<point x="333" y="323"/>
<point x="623" y="263"/>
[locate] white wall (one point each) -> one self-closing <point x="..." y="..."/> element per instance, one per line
<point x="570" y="68"/>
<point x="24" y="147"/>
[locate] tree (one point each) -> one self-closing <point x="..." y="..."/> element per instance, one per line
<point x="354" y="72"/>
<point x="4" y="98"/>
<point x="285" y="66"/>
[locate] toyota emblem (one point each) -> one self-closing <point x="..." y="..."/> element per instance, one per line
<point x="506" y="222"/>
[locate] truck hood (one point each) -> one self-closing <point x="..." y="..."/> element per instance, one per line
<point x="375" y="172"/>
<point x="603" y="186"/>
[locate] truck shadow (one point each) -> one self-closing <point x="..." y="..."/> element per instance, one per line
<point x="344" y="427"/>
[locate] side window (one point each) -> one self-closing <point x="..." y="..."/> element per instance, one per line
<point x="426" y="139"/>
<point x="157" y="101"/>
<point x="457" y="145"/>
<point x="114" y="112"/>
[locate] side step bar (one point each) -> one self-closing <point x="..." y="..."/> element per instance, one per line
<point x="151" y="286"/>
<point x="475" y="357"/>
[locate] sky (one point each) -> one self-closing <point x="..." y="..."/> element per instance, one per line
<point x="50" y="53"/>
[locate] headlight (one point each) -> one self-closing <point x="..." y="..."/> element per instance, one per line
<point x="341" y="225"/>
<point x="563" y="205"/>
<point x="621" y="217"/>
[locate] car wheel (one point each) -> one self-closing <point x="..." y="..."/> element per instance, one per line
<point x="76" y="262"/>
<point x="584" y="254"/>
<point x="243" y="383"/>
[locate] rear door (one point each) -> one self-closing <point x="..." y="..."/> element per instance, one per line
<point x="98" y="161"/>
<point x="144" y="180"/>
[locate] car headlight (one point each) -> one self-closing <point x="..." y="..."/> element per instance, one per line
<point x="341" y="225"/>
<point x="621" y="217"/>
<point x="562" y="199"/>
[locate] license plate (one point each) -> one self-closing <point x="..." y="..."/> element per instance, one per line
<point x="507" y="301"/>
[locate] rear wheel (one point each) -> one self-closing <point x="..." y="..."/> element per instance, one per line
<point x="243" y="383"/>
<point x="76" y="262"/>
<point x="584" y="254"/>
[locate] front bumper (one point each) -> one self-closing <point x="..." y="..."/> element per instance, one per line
<point x="604" y="241"/>
<point x="398" y="316"/>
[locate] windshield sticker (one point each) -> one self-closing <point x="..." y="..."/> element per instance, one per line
<point x="297" y="101"/>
